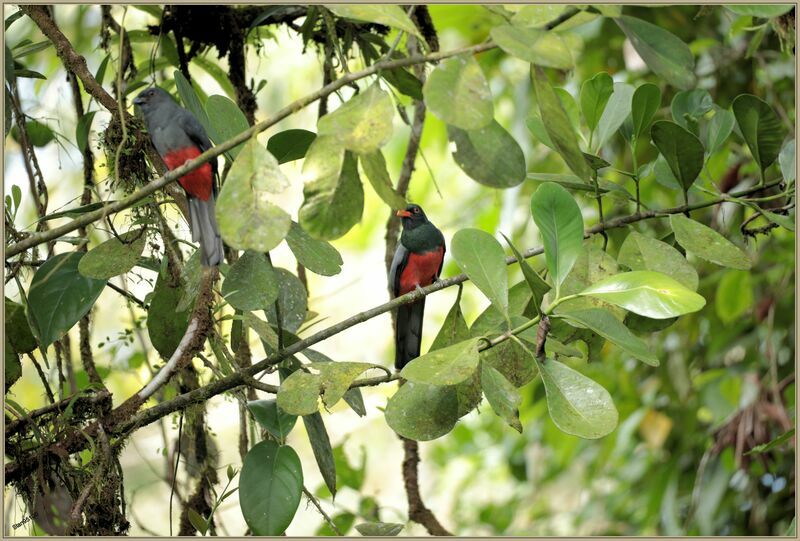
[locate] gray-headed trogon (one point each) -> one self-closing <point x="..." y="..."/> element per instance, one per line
<point x="179" y="137"/>
<point x="417" y="263"/>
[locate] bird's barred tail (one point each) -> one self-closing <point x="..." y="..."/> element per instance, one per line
<point x="408" y="332"/>
<point x="205" y="231"/>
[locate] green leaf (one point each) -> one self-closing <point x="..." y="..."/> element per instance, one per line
<point x="540" y="47"/>
<point x="342" y="521"/>
<point x="299" y="393"/>
<point x="536" y="15"/>
<point x="293" y="301"/>
<point x="766" y="11"/>
<point x="458" y="93"/>
<point x="60" y="296"/>
<point x="335" y="378"/>
<point x="379" y="529"/>
<point x="760" y="127"/>
<point x="197" y="521"/>
<point x="454" y="329"/>
<point x="318" y="256"/>
<point x="422" y="412"/>
<point x="502" y="396"/>
<point x="640" y="252"/>
<point x="290" y="145"/>
<point x="251" y="283"/>
<point x="688" y="106"/>
<point x="560" y="223"/>
<point x="270" y="486"/>
<point x="594" y="97"/>
<point x="247" y="219"/>
<point x="481" y="258"/>
<point x="682" y="150"/>
<point x="192" y="102"/>
<point x="18" y="330"/>
<point x="644" y="104"/>
<point x="647" y="293"/>
<point x="734" y="296"/>
<point x="212" y="67"/>
<point x="535" y="282"/>
<point x="113" y="257"/>
<point x="446" y="366"/>
<point x="592" y="265"/>
<point x="166" y="325"/>
<point x="577" y="405"/>
<point x="558" y="126"/>
<point x="226" y="120"/>
<point x="31" y="48"/>
<point x="616" y="111"/>
<point x="374" y="165"/>
<point x="334" y="197"/>
<point x="389" y="15"/>
<point x="12" y="366"/>
<point x="82" y="130"/>
<point x="77" y="211"/>
<point x="661" y="50"/>
<point x="364" y="123"/>
<point x="707" y="244"/>
<point x="489" y="155"/>
<point x="719" y="128"/>
<point x="764" y="447"/>
<point x="272" y="418"/>
<point x="405" y="83"/>
<point x="321" y="447"/>
<point x="786" y="159"/>
<point x="39" y="134"/>
<point x="606" y="325"/>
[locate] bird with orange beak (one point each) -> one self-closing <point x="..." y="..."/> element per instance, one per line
<point x="417" y="263"/>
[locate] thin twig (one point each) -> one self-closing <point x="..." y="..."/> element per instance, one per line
<point x="328" y="519"/>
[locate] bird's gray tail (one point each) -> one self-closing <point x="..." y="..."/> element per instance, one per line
<point x="408" y="332"/>
<point x="205" y="231"/>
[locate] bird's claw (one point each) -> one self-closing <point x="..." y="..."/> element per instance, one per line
<point x="420" y="290"/>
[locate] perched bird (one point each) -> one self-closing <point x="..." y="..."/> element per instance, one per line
<point x="416" y="264"/>
<point x="179" y="137"/>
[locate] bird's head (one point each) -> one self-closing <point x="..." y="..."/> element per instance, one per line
<point x="412" y="216"/>
<point x="152" y="99"/>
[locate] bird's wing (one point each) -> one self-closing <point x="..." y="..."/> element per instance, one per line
<point x="398" y="264"/>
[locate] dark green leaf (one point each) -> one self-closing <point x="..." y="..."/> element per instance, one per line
<point x="560" y="223"/>
<point x="13" y="17"/>
<point x="458" y="93"/>
<point x="454" y="329"/>
<point x="764" y="447"/>
<point x="760" y="127"/>
<point x="535" y="282"/>
<point x="606" y="325"/>
<point x="113" y="257"/>
<point x="689" y="106"/>
<point x="251" y="283"/>
<point x="719" y="128"/>
<point x="489" y="155"/>
<point x="644" y="104"/>
<point x="165" y="324"/>
<point x="481" y="258"/>
<point x="272" y="418"/>
<point x="290" y="145"/>
<point x="734" y="296"/>
<point x="707" y="244"/>
<point x="193" y="104"/>
<point x="18" y="330"/>
<point x="682" y="150"/>
<point x="82" y="130"/>
<point x="664" y="53"/>
<point x="321" y="446"/>
<point x="293" y="301"/>
<point x="226" y="120"/>
<point x="502" y="396"/>
<point x="405" y="83"/>
<point x="12" y="366"/>
<point x="197" y="521"/>
<point x="594" y="97"/>
<point x="318" y="256"/>
<point x="60" y="296"/>
<point x="77" y="211"/>
<point x="270" y="486"/>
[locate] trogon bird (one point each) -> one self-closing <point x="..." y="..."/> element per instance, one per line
<point x="417" y="263"/>
<point x="179" y="137"/>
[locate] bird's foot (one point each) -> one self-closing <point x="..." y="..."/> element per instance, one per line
<point x="420" y="290"/>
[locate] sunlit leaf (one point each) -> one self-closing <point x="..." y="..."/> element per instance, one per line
<point x="446" y="366"/>
<point x="707" y="244"/>
<point x="481" y="258"/>
<point x="390" y="15"/>
<point x="641" y="252"/>
<point x="363" y="124"/>
<point x="113" y="257"/>
<point x="617" y="110"/>
<point x="457" y="92"/>
<point x="540" y="47"/>
<point x="606" y="325"/>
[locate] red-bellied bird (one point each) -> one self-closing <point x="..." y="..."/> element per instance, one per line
<point x="179" y="137"/>
<point x="417" y="263"/>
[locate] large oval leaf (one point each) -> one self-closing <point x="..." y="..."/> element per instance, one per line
<point x="270" y="485"/>
<point x="606" y="325"/>
<point x="682" y="150"/>
<point x="318" y="256"/>
<point x="489" y="155"/>
<point x="167" y="317"/>
<point x="481" y="258"/>
<point x="760" y="127"/>
<point x="458" y="93"/>
<point x="707" y="244"/>
<point x="60" y="296"/>
<point x="688" y="106"/>
<point x="647" y="293"/>
<point x="362" y="124"/>
<point x="251" y="283"/>
<point x="422" y="412"/>
<point x="226" y="120"/>
<point x="644" y="104"/>
<point x="290" y="145"/>
<point x="446" y="366"/>
<point x="18" y="330"/>
<point x="577" y="405"/>
<point x="594" y="97"/>
<point x="540" y="47"/>
<point x="560" y="223"/>
<point x="719" y="128"/>
<point x="374" y="165"/>
<point x="661" y="50"/>
<point x="640" y="252"/>
<point x="272" y="418"/>
<point x="247" y="220"/>
<point x="113" y="257"/>
<point x="558" y="126"/>
<point x="389" y="15"/>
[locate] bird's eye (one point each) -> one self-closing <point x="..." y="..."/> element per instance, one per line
<point x="416" y="210"/>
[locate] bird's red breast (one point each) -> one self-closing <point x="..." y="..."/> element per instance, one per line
<point x="197" y="183"/>
<point x="421" y="269"/>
